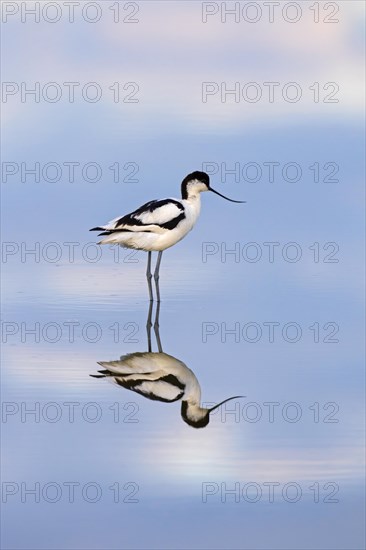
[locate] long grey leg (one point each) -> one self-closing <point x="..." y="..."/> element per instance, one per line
<point x="156" y="276"/>
<point x="149" y="276"/>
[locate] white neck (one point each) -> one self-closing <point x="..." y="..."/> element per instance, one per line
<point x="192" y="392"/>
<point x="194" y="194"/>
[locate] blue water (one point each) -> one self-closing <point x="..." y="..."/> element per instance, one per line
<point x="263" y="300"/>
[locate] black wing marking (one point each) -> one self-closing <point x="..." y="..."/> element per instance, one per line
<point x="165" y="214"/>
<point x="134" y="217"/>
<point x="137" y="385"/>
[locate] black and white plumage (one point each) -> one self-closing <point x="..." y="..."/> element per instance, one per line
<point x="159" y="224"/>
<point x="160" y="377"/>
<point x="147" y="227"/>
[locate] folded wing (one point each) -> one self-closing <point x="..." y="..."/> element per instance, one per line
<point x="153" y="216"/>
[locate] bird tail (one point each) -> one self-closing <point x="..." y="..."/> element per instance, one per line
<point x="116" y="237"/>
<point x="103" y="374"/>
<point x="105" y="232"/>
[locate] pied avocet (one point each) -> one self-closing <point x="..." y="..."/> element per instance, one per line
<point x="159" y="224"/>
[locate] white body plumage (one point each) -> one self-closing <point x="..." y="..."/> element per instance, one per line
<point x="157" y="217"/>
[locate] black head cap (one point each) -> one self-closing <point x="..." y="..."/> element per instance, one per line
<point x="197" y="175"/>
<point x="201" y="423"/>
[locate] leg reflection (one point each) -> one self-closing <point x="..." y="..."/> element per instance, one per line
<point x="156" y="328"/>
<point x="149" y="325"/>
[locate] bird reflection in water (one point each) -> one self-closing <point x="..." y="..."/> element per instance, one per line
<point x="160" y="377"/>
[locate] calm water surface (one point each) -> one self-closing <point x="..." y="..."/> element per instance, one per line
<point x="297" y="424"/>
